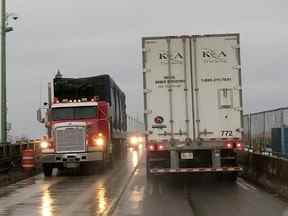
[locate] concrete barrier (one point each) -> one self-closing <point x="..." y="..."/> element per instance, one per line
<point x="267" y="171"/>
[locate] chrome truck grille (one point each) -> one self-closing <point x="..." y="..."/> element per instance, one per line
<point x="70" y="139"/>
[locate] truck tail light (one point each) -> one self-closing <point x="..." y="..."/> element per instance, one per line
<point x="151" y="147"/>
<point x="229" y="145"/>
<point x="156" y="147"/>
<point x="239" y="145"/>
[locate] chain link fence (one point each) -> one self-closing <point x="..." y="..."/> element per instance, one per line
<point x="267" y="132"/>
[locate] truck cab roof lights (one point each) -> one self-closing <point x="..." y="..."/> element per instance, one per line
<point x="66" y="100"/>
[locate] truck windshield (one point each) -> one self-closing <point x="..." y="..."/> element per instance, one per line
<point x="73" y="113"/>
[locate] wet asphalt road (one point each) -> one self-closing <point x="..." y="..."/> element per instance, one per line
<point x="67" y="194"/>
<point x="196" y="196"/>
<point x="97" y="194"/>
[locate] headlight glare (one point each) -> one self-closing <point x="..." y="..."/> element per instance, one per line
<point x="133" y="140"/>
<point x="99" y="141"/>
<point x="44" y="144"/>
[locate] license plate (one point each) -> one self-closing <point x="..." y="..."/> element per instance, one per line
<point x="71" y="165"/>
<point x="187" y="155"/>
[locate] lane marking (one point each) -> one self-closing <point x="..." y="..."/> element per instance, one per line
<point x="160" y="189"/>
<point x="248" y="185"/>
<point x="114" y="203"/>
<point x="150" y="189"/>
<point x="243" y="186"/>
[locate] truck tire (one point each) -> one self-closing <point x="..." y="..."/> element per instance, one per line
<point x="47" y="170"/>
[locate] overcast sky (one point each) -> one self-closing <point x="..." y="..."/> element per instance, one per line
<point x="90" y="37"/>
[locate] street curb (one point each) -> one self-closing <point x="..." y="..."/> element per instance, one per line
<point x="115" y="201"/>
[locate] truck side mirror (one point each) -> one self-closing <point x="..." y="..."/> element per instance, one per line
<point x="39" y="116"/>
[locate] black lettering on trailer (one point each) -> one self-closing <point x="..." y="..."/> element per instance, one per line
<point x="226" y="133"/>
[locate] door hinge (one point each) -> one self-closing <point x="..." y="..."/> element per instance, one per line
<point x="237" y="46"/>
<point x="238" y="109"/>
<point x="147" y="91"/>
<point x="238" y="88"/>
<point x="147" y="112"/>
<point x="146" y="70"/>
<point x="145" y="49"/>
<point x="237" y="67"/>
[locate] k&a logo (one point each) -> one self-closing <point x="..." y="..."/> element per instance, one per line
<point x="214" y="56"/>
<point x="175" y="58"/>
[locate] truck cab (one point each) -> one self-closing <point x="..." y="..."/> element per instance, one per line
<point x="79" y="133"/>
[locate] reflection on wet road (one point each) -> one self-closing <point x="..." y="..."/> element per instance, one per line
<point x="46" y="203"/>
<point x="94" y="195"/>
<point x="195" y="195"/>
<point x="67" y="195"/>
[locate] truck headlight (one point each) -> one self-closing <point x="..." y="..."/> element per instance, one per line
<point x="99" y="141"/>
<point x="133" y="140"/>
<point x="44" y="144"/>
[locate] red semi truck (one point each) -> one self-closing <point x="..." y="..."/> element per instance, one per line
<point x="86" y="123"/>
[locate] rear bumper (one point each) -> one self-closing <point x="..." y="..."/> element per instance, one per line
<point x="195" y="170"/>
<point x="199" y="161"/>
<point x="71" y="157"/>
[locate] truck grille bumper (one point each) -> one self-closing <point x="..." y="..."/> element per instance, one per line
<point x="70" y="139"/>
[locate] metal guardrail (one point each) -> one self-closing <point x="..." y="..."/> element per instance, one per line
<point x="268" y="153"/>
<point x="10" y="154"/>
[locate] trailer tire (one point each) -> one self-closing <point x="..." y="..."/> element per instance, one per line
<point x="47" y="170"/>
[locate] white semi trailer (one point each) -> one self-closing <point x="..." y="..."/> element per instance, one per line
<point x="192" y="103"/>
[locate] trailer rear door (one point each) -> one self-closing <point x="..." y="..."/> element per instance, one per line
<point x="167" y="88"/>
<point x="217" y="84"/>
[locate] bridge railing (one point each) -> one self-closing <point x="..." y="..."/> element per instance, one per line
<point x="10" y="154"/>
